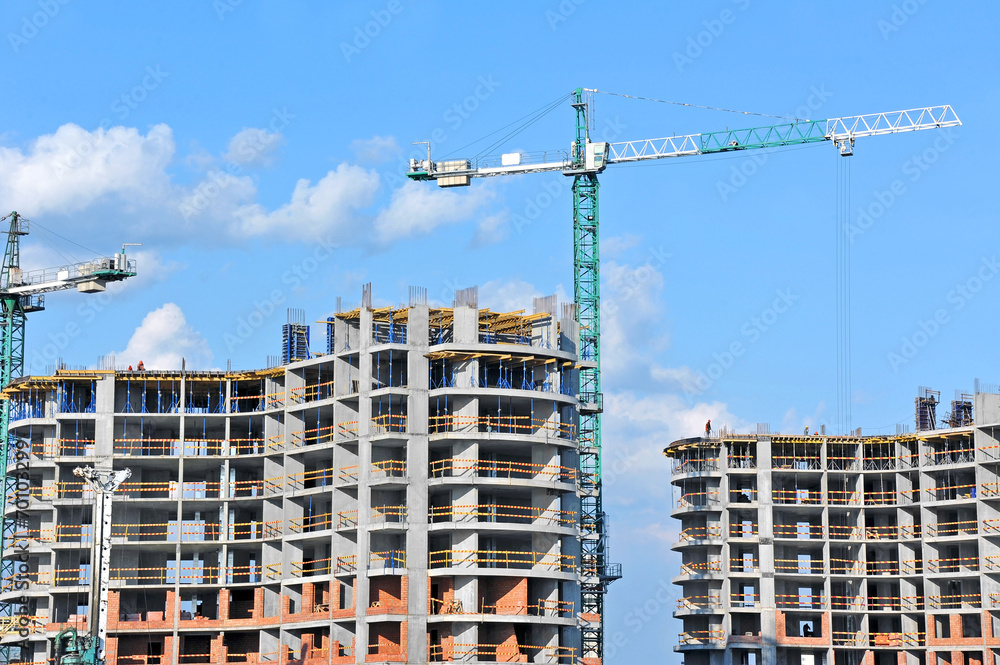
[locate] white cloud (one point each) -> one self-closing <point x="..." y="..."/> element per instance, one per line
<point x="253" y="146"/>
<point x="376" y="150"/>
<point x="162" y="339"/>
<point x="613" y="246"/>
<point x="72" y="169"/>
<point x="416" y="208"/>
<point x="512" y="295"/>
<point x="491" y="230"/>
<point x="329" y="205"/>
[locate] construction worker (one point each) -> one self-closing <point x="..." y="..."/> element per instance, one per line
<point x="130" y="368"/>
<point x="708" y="428"/>
<point x="141" y="367"/>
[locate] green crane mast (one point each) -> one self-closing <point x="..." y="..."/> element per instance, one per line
<point x="21" y="293"/>
<point x="585" y="160"/>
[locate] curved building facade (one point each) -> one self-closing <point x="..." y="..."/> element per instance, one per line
<point x="842" y="550"/>
<point x="409" y="496"/>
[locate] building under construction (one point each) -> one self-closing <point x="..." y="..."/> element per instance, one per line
<point x="843" y="550"/>
<point x="411" y="495"/>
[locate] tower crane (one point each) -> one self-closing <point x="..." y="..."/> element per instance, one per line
<point x="583" y="162"/>
<point x="23" y="292"/>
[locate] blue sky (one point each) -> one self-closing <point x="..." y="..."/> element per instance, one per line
<point x="256" y="151"/>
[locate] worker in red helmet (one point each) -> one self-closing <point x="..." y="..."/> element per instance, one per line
<point x="141" y="367"/>
<point x="708" y="427"/>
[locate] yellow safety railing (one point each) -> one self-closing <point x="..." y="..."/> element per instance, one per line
<point x="847" y="602"/>
<point x="501" y="469"/>
<point x="876" y="603"/>
<point x="702" y="637"/>
<point x="843" y="497"/>
<point x="348" y="428"/>
<point x="846" y="566"/>
<point x="167" y="531"/>
<point x="743" y="495"/>
<point x="347" y="519"/>
<point x="310" y="479"/>
<point x="311" y="567"/>
<point x="388" y="423"/>
<point x="992" y="561"/>
<point x="490" y="512"/>
<point x="387" y="559"/>
<point x="797" y="496"/>
<point x="747" y="565"/>
<point x="698" y="602"/>
<point x="741" y="530"/>
<point x="507" y="652"/>
<point x="388" y="513"/>
<point x="912" y="603"/>
<point x="954" y="601"/>
<point x="952" y="492"/>
<point x="957" y="456"/>
<point x="797" y="462"/>
<point x="911" y="566"/>
<point x="311" y="392"/>
<point x="694" y="465"/>
<point x="849" y="639"/>
<point x="311" y="437"/>
<point x="744" y="599"/>
<point x="882" y="567"/>
<point x="803" y="531"/>
<point x="804" y="567"/>
<point x="311" y="523"/>
<point x="501" y="559"/>
<point x="390" y="468"/>
<point x="798" y="601"/>
<point x="701" y="568"/>
<point x="22" y="622"/>
<point x="953" y="564"/>
<point x="701" y="532"/>
<point x="346" y="564"/>
<point x="500" y="425"/>
<point x="845" y="531"/>
<point x="698" y="499"/>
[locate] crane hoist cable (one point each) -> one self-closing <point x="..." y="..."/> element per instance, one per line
<point x="539" y="112"/>
<point x="699" y="106"/>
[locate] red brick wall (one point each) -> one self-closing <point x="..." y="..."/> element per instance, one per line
<point x="505" y="639"/>
<point x="389" y="594"/>
<point x="390" y="640"/>
<point x="823" y="639"/>
<point x="508" y="595"/>
<point x="446" y="589"/>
